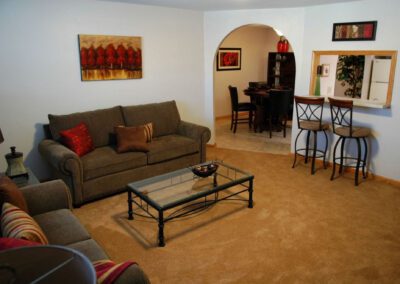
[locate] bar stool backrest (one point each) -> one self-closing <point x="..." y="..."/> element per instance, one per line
<point x="341" y="114"/>
<point x="309" y="109"/>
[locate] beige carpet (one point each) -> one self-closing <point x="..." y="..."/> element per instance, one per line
<point x="302" y="229"/>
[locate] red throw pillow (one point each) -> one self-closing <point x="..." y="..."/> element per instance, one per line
<point x="78" y="139"/>
<point x="9" y="243"/>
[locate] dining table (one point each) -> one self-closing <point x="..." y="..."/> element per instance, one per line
<point x="259" y="98"/>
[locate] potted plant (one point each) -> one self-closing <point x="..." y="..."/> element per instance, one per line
<point x="350" y="70"/>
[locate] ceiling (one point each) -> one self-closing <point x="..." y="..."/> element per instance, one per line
<point x="214" y="5"/>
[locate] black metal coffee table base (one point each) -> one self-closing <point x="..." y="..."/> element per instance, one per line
<point x="191" y="208"/>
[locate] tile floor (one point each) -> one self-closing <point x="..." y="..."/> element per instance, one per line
<point x="246" y="139"/>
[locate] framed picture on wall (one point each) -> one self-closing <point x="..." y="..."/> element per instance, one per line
<point x="108" y="57"/>
<point x="354" y="31"/>
<point x="229" y="59"/>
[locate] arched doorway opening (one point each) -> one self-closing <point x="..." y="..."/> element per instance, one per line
<point x="259" y="57"/>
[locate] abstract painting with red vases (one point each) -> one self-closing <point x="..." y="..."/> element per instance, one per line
<point x="106" y="57"/>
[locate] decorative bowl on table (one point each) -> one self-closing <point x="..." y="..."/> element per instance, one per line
<point x="205" y="170"/>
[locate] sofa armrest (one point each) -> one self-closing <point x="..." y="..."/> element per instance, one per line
<point x="133" y="275"/>
<point x="198" y="133"/>
<point x="66" y="164"/>
<point x="57" y="155"/>
<point x="47" y="196"/>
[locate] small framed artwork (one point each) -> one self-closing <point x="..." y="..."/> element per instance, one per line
<point x="229" y="59"/>
<point x="354" y="31"/>
<point x="325" y="70"/>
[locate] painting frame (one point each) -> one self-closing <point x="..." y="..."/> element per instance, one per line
<point x="229" y="59"/>
<point x="354" y="31"/>
<point x="110" y="57"/>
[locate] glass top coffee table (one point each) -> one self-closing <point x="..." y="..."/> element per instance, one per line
<point x="187" y="192"/>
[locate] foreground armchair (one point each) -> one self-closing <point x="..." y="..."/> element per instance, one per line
<point x="50" y="205"/>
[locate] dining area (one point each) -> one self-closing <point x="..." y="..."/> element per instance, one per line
<point x="269" y="109"/>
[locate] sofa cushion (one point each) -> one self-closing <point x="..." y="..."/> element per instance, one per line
<point x="61" y="227"/>
<point x="89" y="248"/>
<point x="148" y="130"/>
<point x="16" y="223"/>
<point x="171" y="147"/>
<point x="164" y="116"/>
<point x="100" y="122"/>
<point x="105" y="160"/>
<point x="78" y="139"/>
<point x="131" y="138"/>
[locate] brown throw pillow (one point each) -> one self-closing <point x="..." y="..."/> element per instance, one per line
<point x="9" y="192"/>
<point x="131" y="139"/>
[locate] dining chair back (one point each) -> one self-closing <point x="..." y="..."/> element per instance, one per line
<point x="277" y="113"/>
<point x="239" y="107"/>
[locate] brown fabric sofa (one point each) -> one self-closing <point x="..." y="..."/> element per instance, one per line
<point x="49" y="203"/>
<point x="102" y="172"/>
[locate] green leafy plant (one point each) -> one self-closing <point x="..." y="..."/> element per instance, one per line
<point x="350" y="70"/>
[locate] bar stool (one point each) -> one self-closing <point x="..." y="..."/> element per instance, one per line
<point x="309" y="118"/>
<point x="342" y="125"/>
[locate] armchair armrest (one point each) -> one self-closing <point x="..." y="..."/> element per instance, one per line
<point x="47" y="196"/>
<point x="66" y="164"/>
<point x="198" y="133"/>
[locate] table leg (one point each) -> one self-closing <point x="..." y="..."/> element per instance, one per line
<point x="130" y="211"/>
<point x="251" y="193"/>
<point x="161" y="242"/>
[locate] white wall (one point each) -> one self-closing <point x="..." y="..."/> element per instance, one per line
<point x="40" y="72"/>
<point x="384" y="155"/>
<point x="309" y="29"/>
<point x="256" y="42"/>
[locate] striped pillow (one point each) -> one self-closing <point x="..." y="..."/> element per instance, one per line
<point x="148" y="131"/>
<point x="107" y="271"/>
<point x="15" y="223"/>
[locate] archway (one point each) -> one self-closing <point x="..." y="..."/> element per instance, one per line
<point x="257" y="42"/>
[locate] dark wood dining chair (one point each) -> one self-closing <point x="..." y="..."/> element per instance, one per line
<point x="309" y="118"/>
<point x="277" y="110"/>
<point x="342" y="125"/>
<point x="237" y="108"/>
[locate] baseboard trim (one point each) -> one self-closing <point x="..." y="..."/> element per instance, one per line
<point x="370" y="175"/>
<point x="223" y="117"/>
